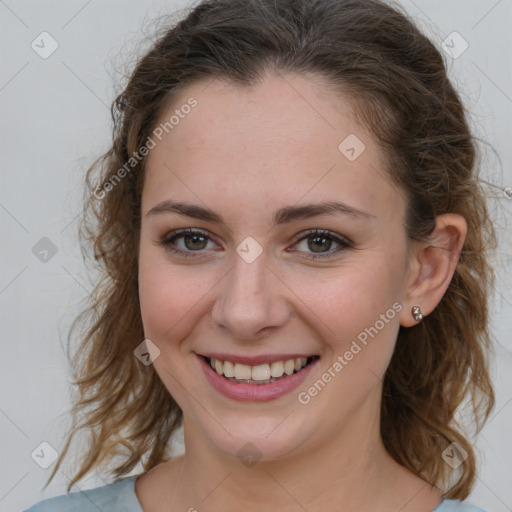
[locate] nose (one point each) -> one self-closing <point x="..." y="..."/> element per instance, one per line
<point x="251" y="303"/>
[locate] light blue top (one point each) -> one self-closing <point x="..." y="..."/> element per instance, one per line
<point x="120" y="497"/>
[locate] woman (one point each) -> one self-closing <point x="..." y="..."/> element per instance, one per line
<point x="294" y="245"/>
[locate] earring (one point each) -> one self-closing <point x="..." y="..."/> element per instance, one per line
<point x="416" y="313"/>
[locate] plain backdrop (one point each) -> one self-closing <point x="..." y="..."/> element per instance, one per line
<point x="55" y="120"/>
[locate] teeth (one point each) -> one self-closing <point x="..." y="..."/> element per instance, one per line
<point x="261" y="372"/>
<point x="289" y="366"/>
<point x="277" y="369"/>
<point x="242" y="372"/>
<point x="229" y="369"/>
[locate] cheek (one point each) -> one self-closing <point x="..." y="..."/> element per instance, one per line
<point x="348" y="305"/>
<point x="170" y="295"/>
<point x="359" y="313"/>
<point x="158" y="292"/>
<point x="350" y="296"/>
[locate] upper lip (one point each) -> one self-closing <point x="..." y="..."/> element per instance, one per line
<point x="254" y="360"/>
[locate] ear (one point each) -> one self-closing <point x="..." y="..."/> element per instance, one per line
<point x="432" y="265"/>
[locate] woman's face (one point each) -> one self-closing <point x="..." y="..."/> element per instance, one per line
<point x="251" y="287"/>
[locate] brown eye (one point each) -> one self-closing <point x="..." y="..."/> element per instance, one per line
<point x="320" y="242"/>
<point x="191" y="241"/>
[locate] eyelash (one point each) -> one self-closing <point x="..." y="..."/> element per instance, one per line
<point x="168" y="240"/>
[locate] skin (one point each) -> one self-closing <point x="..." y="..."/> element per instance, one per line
<point x="245" y="152"/>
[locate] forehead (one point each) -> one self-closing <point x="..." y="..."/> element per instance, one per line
<point x="284" y="139"/>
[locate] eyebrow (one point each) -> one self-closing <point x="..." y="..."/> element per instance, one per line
<point x="281" y="216"/>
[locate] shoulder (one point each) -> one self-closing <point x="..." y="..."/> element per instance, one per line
<point x="118" y="496"/>
<point x="457" y="506"/>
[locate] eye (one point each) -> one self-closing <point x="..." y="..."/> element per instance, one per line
<point x="320" y="240"/>
<point x="192" y="241"/>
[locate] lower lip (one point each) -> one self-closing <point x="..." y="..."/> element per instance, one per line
<point x="255" y="392"/>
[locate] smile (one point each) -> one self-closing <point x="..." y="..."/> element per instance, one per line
<point x="259" y="374"/>
<point x="257" y="382"/>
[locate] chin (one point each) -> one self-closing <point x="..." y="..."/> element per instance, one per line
<point x="258" y="439"/>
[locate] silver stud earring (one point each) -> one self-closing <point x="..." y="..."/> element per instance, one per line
<point x="417" y="314"/>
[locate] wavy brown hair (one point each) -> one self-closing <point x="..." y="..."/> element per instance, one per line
<point x="374" y="54"/>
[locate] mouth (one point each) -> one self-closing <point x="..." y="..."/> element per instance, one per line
<point x="260" y="374"/>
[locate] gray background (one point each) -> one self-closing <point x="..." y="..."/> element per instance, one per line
<point x="55" y="120"/>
